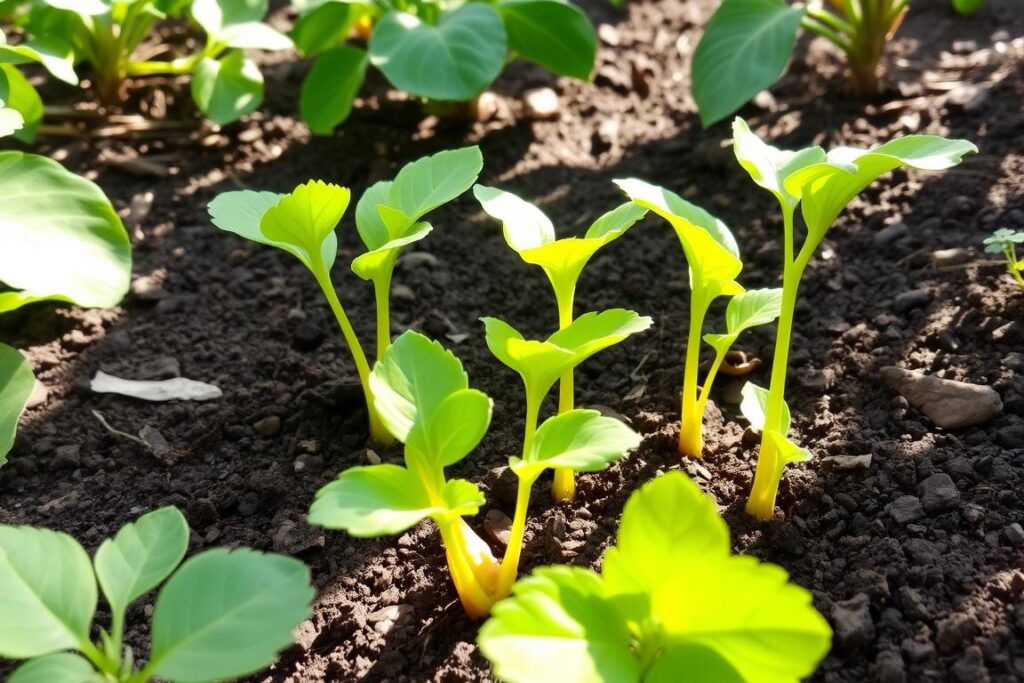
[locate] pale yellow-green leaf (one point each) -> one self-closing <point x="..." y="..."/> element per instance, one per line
<point x="306" y="217"/>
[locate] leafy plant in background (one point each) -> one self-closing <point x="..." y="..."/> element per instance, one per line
<point x="465" y="44"/>
<point x="821" y="184"/>
<point x="62" y="241"/>
<point x="670" y="598"/>
<point x="222" y="614"/>
<point x="714" y="263"/>
<point x="532" y="235"/>
<point x="107" y="34"/>
<point x="967" y="7"/>
<point x="423" y="397"/>
<point x="748" y="43"/>
<point x="1004" y="241"/>
<point x="388" y="218"/>
<point x="22" y="106"/>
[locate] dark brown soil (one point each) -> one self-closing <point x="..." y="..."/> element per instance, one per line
<point x="936" y="599"/>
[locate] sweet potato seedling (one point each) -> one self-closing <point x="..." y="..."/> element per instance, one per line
<point x="423" y="397"/>
<point x="531" y="234"/>
<point x="222" y="614"/>
<point x="670" y="598"/>
<point x="748" y="43"/>
<point x="388" y="218"/>
<point x="821" y="184"/>
<point x="714" y="263"/>
<point x="1004" y="241"/>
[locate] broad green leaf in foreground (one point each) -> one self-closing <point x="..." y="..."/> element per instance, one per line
<point x="453" y="430"/>
<point x="61" y="237"/>
<point x="228" y="88"/>
<point x="555" y="34"/>
<point x="226" y="614"/>
<point x="453" y="60"/>
<point x="744" y="49"/>
<point x="60" y="667"/>
<point x="331" y="87"/>
<point x="141" y="556"/>
<point x="581" y="440"/>
<point x="49" y="592"/>
<point x="16" y="384"/>
<point x="372" y="501"/>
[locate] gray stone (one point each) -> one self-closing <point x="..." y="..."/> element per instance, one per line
<point x="909" y="300"/>
<point x="970" y="97"/>
<point x="1010" y="333"/>
<point x="938" y="493"/>
<point x="1014" y="534"/>
<point x="541" y="104"/>
<point x="267" y="426"/>
<point x="948" y="403"/>
<point x="854" y="627"/>
<point x="891" y="233"/>
<point x="921" y="551"/>
<point x="944" y="258"/>
<point x="1011" y="436"/>
<point x="906" y="509"/>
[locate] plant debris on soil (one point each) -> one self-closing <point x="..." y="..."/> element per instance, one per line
<point x="909" y="535"/>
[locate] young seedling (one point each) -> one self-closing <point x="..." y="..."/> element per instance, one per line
<point x="1004" y="241"/>
<point x="670" y="598"/>
<point x="107" y="35"/>
<point x="822" y="185"/>
<point x="748" y="43"/>
<point x="388" y="218"/>
<point x="223" y="614"/>
<point x="531" y="234"/>
<point x="423" y="396"/>
<point x="714" y="262"/>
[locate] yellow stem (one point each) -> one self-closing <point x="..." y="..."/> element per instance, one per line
<point x="563" y="488"/>
<point x="510" y="563"/>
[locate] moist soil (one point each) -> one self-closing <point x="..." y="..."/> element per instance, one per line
<point x="933" y="595"/>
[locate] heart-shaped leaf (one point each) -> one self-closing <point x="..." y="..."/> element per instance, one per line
<point x="555" y="34"/>
<point x="580" y="440"/>
<point x="331" y="87"/>
<point x="306" y="218"/>
<point x="228" y="88"/>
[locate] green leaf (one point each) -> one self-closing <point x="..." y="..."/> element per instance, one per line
<point x="411" y="382"/>
<point x="226" y="614"/>
<point x="768" y="166"/>
<point x="228" y="88"/>
<point x="213" y="15"/>
<point x="49" y="592"/>
<point x="11" y="121"/>
<point x="62" y="238"/>
<point x="16" y="384"/>
<point x="462" y="497"/>
<point x="752" y="308"/>
<point x="744" y="49"/>
<point x="788" y="451"/>
<point x="254" y="35"/>
<point x="754" y="406"/>
<point x="55" y="56"/>
<point x="375" y="500"/>
<point x="427" y="183"/>
<point x="826" y="188"/>
<point x="325" y="26"/>
<point x="331" y="87"/>
<point x="306" y="218"/>
<point x="555" y="34"/>
<point x="18" y="94"/>
<point x="60" y="667"/>
<point x="87" y="7"/>
<point x="241" y="212"/>
<point x="580" y="440"/>
<point x="559" y="626"/>
<point x="454" y="429"/>
<point x="141" y="556"/>
<point x="525" y="226"/>
<point x="465" y="52"/>
<point x="967" y="7"/>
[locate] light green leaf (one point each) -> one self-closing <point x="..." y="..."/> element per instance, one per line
<point x="525" y="226"/>
<point x="18" y="94"/>
<point x="11" y="121"/>
<point x="141" y="556"/>
<point x="788" y="451"/>
<point x="306" y="218"/>
<point x="16" y="384"/>
<point x="453" y="60"/>
<point x="228" y="88"/>
<point x="375" y="500"/>
<point x="462" y="497"/>
<point x="214" y="15"/>
<point x="454" y="430"/>
<point x="755" y="405"/>
<point x="49" y="592"/>
<point x="226" y="614"/>
<point x="61" y="667"/>
<point x="967" y="7"/>
<point x="744" y="49"/>
<point x="580" y="440"/>
<point x="55" y="56"/>
<point x="331" y="87"/>
<point x="559" y="626"/>
<point x="62" y="238"/>
<point x="254" y="35"/>
<point x="826" y="188"/>
<point x="768" y="166"/>
<point x="241" y="212"/>
<point x="380" y="263"/>
<point x="371" y="227"/>
<point x="752" y="308"/>
<point x="412" y="381"/>
<point x="555" y="34"/>
<point x="87" y="7"/>
<point x="325" y="26"/>
<point x="427" y="183"/>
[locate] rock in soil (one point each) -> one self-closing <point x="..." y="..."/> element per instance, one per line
<point x="948" y="403"/>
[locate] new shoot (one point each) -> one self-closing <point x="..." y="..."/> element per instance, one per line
<point x="423" y="397"/>
<point x="388" y="217"/>
<point x="821" y="184"/>
<point x="1004" y="241"/>
<point x="671" y="597"/>
<point x="531" y="234"/>
<point x="221" y="615"/>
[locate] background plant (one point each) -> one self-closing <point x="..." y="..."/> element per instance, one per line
<point x="62" y="241"/>
<point x="388" y="218"/>
<point x="670" y="598"/>
<point x="821" y="184"/>
<point x="531" y="234"/>
<point x="748" y="43"/>
<point x="1004" y="241"/>
<point x="466" y="44"/>
<point x="222" y="614"/>
<point x="423" y="396"/>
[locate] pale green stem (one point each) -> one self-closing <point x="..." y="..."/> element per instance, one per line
<point x="563" y="487"/>
<point x="705" y="391"/>
<point x="691" y="438"/>
<point x="382" y="293"/>
<point x="510" y="563"/>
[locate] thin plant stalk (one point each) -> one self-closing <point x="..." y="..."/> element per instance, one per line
<point x="563" y="487"/>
